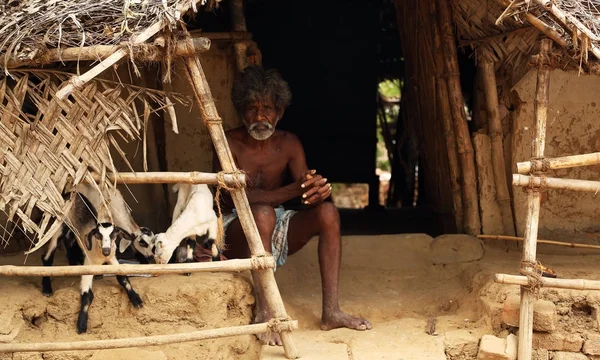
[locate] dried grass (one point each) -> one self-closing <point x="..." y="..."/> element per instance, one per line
<point x="58" y="142"/>
<point x="28" y="28"/>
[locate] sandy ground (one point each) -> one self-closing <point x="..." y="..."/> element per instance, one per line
<point x="396" y="281"/>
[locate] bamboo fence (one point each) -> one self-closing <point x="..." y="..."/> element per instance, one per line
<point x="59" y="147"/>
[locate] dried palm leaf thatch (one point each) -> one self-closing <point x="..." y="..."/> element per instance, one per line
<point x="47" y="144"/>
<point x="31" y="27"/>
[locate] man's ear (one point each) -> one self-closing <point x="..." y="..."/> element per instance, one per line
<point x="124" y="244"/>
<point x="88" y="239"/>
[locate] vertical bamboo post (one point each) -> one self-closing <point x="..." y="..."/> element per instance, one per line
<point x="445" y="115"/>
<point x="210" y="116"/>
<point x="238" y="21"/>
<point x="533" y="202"/>
<point x="472" y="223"/>
<point x="496" y="136"/>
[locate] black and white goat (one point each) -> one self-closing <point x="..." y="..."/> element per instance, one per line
<point x="193" y="216"/>
<point x="143" y="242"/>
<point x="100" y="241"/>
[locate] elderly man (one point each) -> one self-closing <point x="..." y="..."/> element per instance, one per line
<point x="266" y="154"/>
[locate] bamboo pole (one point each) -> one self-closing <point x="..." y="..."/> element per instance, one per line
<point x="541" y="26"/>
<point x="232" y="265"/>
<point x="80" y="80"/>
<point x="223" y="36"/>
<point x="210" y="116"/>
<point x="549" y="242"/>
<point x="472" y="223"/>
<point x="575" y="284"/>
<point x="541" y="101"/>
<point x="556" y="183"/>
<point x="566" y="19"/>
<point x="445" y="115"/>
<point x="496" y="136"/>
<point x="99" y="52"/>
<point x="155" y="340"/>
<point x="194" y="177"/>
<point x="238" y="21"/>
<point x="563" y="162"/>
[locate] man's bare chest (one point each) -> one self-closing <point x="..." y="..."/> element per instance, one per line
<point x="264" y="169"/>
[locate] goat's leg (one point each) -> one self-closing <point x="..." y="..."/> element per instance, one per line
<point x="134" y="298"/>
<point x="190" y="245"/>
<point x="211" y="240"/>
<point x="48" y="260"/>
<point x="87" y="296"/>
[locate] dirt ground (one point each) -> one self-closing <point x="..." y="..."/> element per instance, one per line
<point x="396" y="281"/>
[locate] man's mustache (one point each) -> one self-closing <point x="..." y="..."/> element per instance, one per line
<point x="261" y="124"/>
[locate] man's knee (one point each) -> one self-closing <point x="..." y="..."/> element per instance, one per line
<point x="327" y="214"/>
<point x="265" y="218"/>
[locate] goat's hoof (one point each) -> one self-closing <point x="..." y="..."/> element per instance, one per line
<point x="47" y="293"/>
<point x="187" y="274"/>
<point x="136" y="301"/>
<point x="81" y="327"/>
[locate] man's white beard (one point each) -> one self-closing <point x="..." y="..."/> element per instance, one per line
<point x="261" y="134"/>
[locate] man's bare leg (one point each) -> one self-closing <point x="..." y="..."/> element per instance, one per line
<point x="238" y="248"/>
<point x="324" y="220"/>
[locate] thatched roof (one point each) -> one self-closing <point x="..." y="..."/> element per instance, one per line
<point x="508" y="31"/>
<point x="48" y="144"/>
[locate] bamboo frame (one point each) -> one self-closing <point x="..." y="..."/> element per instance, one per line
<point x="563" y="162"/>
<point x="149" y="340"/>
<point x="556" y="183"/>
<point x="541" y="101"/>
<point x="98" y="52"/>
<point x="211" y="119"/>
<point x="194" y="177"/>
<point x="233" y="265"/>
<point x="82" y="79"/>
<point x="574" y="284"/>
<point x="444" y="108"/>
<point x="549" y="242"/>
<point x="496" y="136"/>
<point x="472" y="221"/>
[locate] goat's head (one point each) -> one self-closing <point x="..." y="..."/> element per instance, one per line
<point x="106" y="236"/>
<point x="163" y="248"/>
<point x="143" y="243"/>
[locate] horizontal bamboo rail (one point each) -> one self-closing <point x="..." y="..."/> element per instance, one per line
<point x="555" y="183"/>
<point x="563" y="162"/>
<point x="574" y="284"/>
<point x="194" y="177"/>
<point x="151" y="340"/>
<point x="549" y="242"/>
<point x="257" y="263"/>
<point x="223" y="36"/>
<point x="100" y="52"/>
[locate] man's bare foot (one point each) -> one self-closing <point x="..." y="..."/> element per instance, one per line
<point x="338" y="318"/>
<point x="267" y="339"/>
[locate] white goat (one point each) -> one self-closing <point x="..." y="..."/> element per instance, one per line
<point x="143" y="242"/>
<point x="99" y="239"/>
<point x="193" y="215"/>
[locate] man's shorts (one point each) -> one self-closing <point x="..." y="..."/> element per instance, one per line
<point x="279" y="241"/>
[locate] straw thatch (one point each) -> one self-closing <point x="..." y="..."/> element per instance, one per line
<point x="59" y="142"/>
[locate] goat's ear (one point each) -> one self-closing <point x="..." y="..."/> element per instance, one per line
<point x="124" y="244"/>
<point x="88" y="239"/>
<point x="125" y="234"/>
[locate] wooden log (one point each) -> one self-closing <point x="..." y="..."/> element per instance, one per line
<point x="194" y="177"/>
<point x="549" y="242"/>
<point x="496" y="137"/>
<point x="223" y="36"/>
<point x="82" y="79"/>
<point x="541" y="26"/>
<point x="472" y="223"/>
<point x="566" y="19"/>
<point x="210" y="116"/>
<point x="556" y="183"/>
<point x="445" y="115"/>
<point x="238" y="21"/>
<point x="574" y="284"/>
<point x="154" y="340"/>
<point x="563" y="162"/>
<point x="266" y="262"/>
<point x="150" y="53"/>
<point x="541" y="101"/>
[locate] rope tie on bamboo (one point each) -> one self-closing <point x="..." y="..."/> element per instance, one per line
<point x="278" y="325"/>
<point x="535" y="187"/>
<point x="259" y="262"/>
<point x="222" y="185"/>
<point x="534" y="276"/>
<point x="214" y="121"/>
<point x="539" y="165"/>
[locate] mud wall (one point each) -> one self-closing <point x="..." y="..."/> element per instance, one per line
<point x="573" y="128"/>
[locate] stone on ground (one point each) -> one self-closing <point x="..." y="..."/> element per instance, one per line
<point x="563" y="355"/>
<point x="591" y="346"/>
<point x="461" y="345"/>
<point x="493" y="348"/>
<point x="544" y="314"/>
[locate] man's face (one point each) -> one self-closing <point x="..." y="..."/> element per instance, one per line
<point x="260" y="118"/>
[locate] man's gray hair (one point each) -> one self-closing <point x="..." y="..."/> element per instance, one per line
<point x="255" y="84"/>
